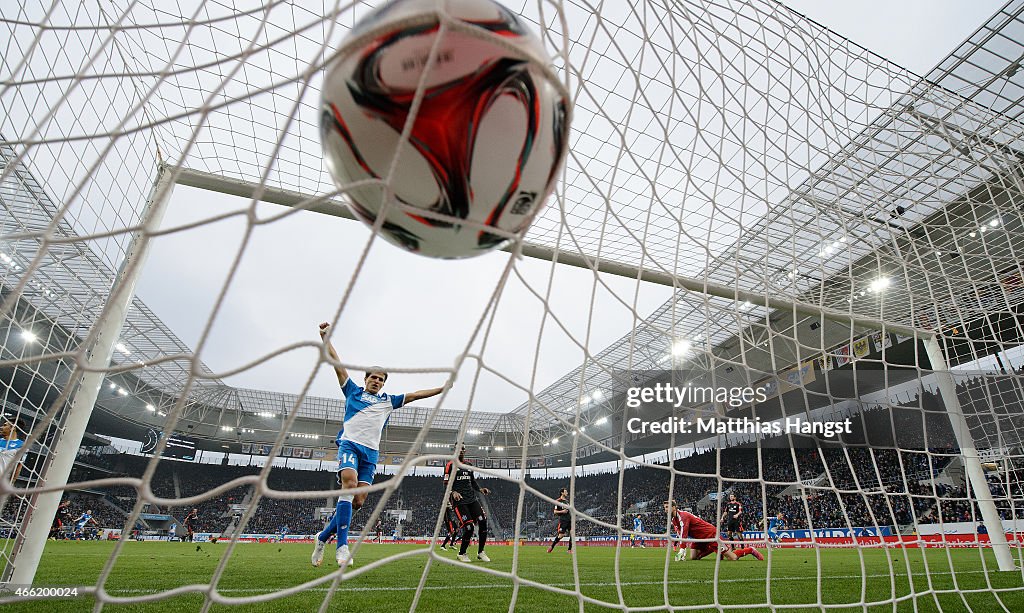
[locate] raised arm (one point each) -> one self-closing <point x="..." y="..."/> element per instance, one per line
<point x="420" y="395"/>
<point x="338" y="369"/>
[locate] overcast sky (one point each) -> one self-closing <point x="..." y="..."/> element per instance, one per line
<point x="915" y="34"/>
<point x="412" y="312"/>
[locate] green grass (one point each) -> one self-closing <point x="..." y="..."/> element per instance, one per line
<point x="847" y="577"/>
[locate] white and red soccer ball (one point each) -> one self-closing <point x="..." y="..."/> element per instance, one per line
<point x="488" y="138"/>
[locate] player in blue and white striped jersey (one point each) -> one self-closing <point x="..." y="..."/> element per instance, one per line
<point x="367" y="410"/>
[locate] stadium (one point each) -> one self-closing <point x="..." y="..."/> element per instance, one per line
<point x="778" y="284"/>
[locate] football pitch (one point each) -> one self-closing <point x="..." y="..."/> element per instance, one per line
<point x="918" y="580"/>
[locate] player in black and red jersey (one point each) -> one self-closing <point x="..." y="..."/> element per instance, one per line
<point x="466" y="505"/>
<point x="61" y="519"/>
<point x="564" y="519"/>
<point x="191" y="520"/>
<point x="732" y="519"/>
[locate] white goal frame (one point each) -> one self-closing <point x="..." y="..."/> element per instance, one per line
<point x="28" y="551"/>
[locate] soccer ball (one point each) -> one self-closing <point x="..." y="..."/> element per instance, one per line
<point x="487" y="140"/>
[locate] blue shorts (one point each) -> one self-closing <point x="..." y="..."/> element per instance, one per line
<point x="359" y="458"/>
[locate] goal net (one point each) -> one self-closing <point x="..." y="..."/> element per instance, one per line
<point x="778" y="271"/>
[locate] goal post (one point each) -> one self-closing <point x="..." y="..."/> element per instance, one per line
<point x="969" y="455"/>
<point x="32" y="538"/>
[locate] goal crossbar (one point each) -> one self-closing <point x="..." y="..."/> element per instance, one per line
<point x="289" y="198"/>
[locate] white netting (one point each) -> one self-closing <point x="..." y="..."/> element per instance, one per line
<point x="817" y="222"/>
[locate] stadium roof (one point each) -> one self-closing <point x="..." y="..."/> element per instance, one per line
<point x="900" y="200"/>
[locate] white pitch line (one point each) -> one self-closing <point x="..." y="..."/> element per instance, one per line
<point x="488" y="586"/>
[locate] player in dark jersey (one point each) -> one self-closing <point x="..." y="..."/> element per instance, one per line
<point x="451" y="524"/>
<point x="467" y="507"/>
<point x="190" y="523"/>
<point x="61" y="519"/>
<point x="564" y="518"/>
<point x="732" y="519"/>
<point x="700" y="538"/>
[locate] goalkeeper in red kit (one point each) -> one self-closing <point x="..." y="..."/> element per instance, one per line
<point x="701" y="538"/>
